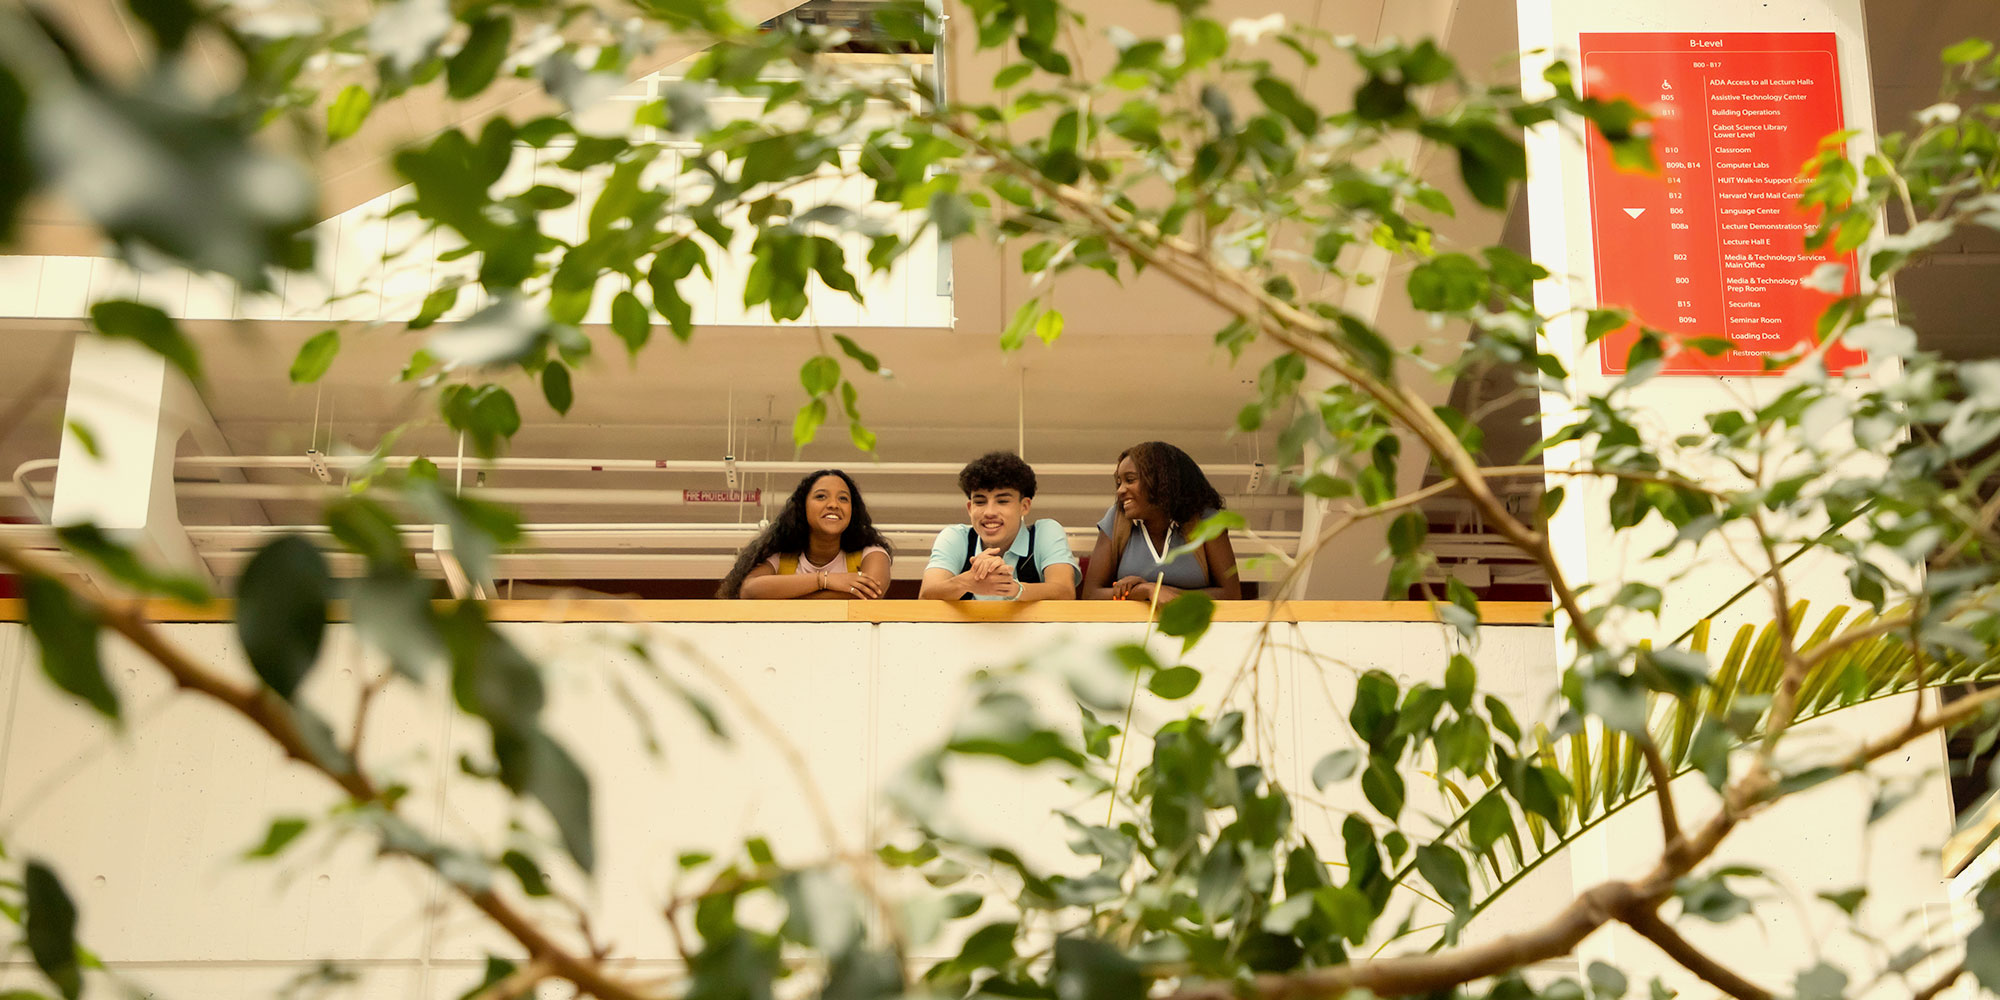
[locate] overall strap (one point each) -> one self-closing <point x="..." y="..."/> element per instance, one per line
<point x="1025" y="571"/>
<point x="853" y="562"/>
<point x="787" y="565"/>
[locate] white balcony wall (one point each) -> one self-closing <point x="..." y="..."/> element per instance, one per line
<point x="146" y="828"/>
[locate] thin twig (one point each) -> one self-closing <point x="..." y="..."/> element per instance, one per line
<point x="362" y="703"/>
<point x="1652" y="928"/>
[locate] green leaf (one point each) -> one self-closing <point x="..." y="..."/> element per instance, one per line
<point x="556" y="388"/>
<point x="316" y="356"/>
<point x="485" y="413"/>
<point x="151" y="329"/>
<point x="1134" y="657"/>
<point x="1968" y="51"/>
<point x="367" y="529"/>
<point x="630" y="322"/>
<point x="1174" y="682"/>
<point x="1204" y="40"/>
<point x="1487" y="822"/>
<point x="477" y="528"/>
<point x="1451" y="282"/>
<point x="1187" y="616"/>
<point x="1606" y="983"/>
<point x="1281" y="98"/>
<point x="952" y="214"/>
<point x="1017" y="329"/>
<point x="820" y="374"/>
<point x="435" y="305"/>
<point x="525" y="870"/>
<point x="1710" y="899"/>
<point x="50" y="927"/>
<point x="1349" y="911"/>
<point x="1011" y="74"/>
<point x="806" y="425"/>
<point x="618" y="198"/>
<point x="1049" y="326"/>
<point x="497" y="971"/>
<point x="283" y="831"/>
<point x="473" y="68"/>
<point x="868" y="362"/>
<point x="1849" y="900"/>
<point x="348" y="111"/>
<point x="1445" y="870"/>
<point x="1460" y="679"/>
<point x="1383" y="787"/>
<point x="1821" y="982"/>
<point x="281" y="607"/>
<point x="1336" y="766"/>
<point x="67" y="634"/>
<point x="392" y="612"/>
<point x="169" y="21"/>
<point x="1503" y="718"/>
<point x="1086" y="967"/>
<point x="1604" y="321"/>
<point x="1982" y="945"/>
<point x="84" y="437"/>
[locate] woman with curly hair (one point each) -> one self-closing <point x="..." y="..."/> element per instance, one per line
<point x="821" y="545"/>
<point x="1160" y="498"/>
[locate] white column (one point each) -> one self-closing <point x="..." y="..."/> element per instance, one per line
<point x="1818" y="842"/>
<point x="135" y="407"/>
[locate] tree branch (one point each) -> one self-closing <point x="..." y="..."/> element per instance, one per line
<point x="1663" y="780"/>
<point x="1941" y="983"/>
<point x="1419" y="974"/>
<point x="270" y="713"/>
<point x="1652" y="928"/>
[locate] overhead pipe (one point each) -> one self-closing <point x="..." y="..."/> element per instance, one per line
<point x="611" y="496"/>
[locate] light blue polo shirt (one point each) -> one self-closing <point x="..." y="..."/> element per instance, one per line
<point x="1051" y="549"/>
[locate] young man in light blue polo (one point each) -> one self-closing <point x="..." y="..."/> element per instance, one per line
<point x="1000" y="555"/>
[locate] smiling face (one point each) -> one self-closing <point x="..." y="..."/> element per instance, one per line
<point x="996" y="514"/>
<point x="1130" y="491"/>
<point x="829" y="506"/>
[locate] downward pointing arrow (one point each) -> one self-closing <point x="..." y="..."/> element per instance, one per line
<point x="1635" y="212"/>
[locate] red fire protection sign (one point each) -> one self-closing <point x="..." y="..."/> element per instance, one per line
<point x="722" y="496"/>
<point x="1714" y="245"/>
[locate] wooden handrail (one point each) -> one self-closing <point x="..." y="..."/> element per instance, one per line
<point x="623" y="610"/>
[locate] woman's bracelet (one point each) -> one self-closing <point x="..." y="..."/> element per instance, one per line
<point x="822" y="579"/>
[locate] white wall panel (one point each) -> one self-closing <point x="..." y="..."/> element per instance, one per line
<point x="65" y="287"/>
<point x="146" y="828"/>
<point x="20" y="284"/>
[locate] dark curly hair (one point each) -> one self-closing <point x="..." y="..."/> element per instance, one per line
<point x="790" y="532"/>
<point x="997" y="470"/>
<point x="1174" y="483"/>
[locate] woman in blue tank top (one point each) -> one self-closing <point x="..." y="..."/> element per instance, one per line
<point x="1160" y="497"/>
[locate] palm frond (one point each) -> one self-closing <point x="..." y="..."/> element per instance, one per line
<point x="1607" y="769"/>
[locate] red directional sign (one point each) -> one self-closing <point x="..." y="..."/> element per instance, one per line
<point x="1714" y="245"/>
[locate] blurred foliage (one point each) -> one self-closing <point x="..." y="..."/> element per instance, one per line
<point x="1194" y="156"/>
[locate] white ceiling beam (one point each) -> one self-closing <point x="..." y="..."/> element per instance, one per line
<point x="134" y="407"/>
